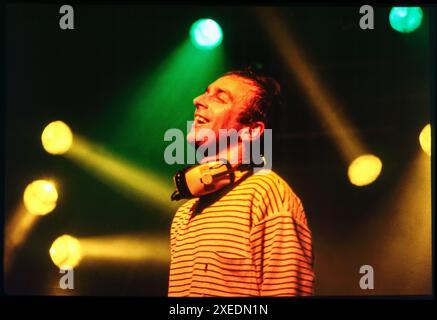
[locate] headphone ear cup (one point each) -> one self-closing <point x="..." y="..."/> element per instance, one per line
<point x="203" y="179"/>
<point x="180" y="182"/>
<point x="206" y="178"/>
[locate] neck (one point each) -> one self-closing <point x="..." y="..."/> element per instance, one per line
<point x="233" y="154"/>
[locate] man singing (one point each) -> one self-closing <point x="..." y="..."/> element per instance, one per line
<point x="251" y="237"/>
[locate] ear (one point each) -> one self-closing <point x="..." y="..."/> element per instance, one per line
<point x="253" y="132"/>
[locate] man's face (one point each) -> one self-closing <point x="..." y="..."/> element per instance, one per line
<point x="220" y="105"/>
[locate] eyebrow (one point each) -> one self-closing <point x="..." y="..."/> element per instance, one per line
<point x="219" y="90"/>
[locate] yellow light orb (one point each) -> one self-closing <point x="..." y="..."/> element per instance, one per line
<point x="364" y="170"/>
<point x="40" y="197"/>
<point x="57" y="138"/>
<point x="66" y="252"/>
<point x="425" y="139"/>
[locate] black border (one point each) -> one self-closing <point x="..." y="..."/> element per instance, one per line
<point x="408" y="305"/>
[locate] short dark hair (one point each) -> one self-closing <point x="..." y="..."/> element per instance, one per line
<point x="266" y="99"/>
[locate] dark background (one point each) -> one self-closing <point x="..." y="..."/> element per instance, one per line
<point x="381" y="77"/>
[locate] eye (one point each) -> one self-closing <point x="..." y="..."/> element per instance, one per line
<point x="222" y="97"/>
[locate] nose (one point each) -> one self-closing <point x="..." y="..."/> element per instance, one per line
<point x="199" y="102"/>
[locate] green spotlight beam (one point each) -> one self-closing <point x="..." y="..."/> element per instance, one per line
<point x="164" y="100"/>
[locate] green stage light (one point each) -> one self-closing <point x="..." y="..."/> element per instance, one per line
<point x="206" y="34"/>
<point x="405" y="19"/>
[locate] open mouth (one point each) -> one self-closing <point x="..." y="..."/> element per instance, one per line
<point x="199" y="120"/>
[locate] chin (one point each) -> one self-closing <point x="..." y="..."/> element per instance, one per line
<point x="200" y="136"/>
<point x="202" y="142"/>
<point x="195" y="140"/>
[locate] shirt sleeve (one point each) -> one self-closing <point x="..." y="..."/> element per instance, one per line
<point x="282" y="248"/>
<point x="283" y="259"/>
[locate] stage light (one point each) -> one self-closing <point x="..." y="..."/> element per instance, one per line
<point x="40" y="197"/>
<point x="66" y="252"/>
<point x="364" y="170"/>
<point x="206" y="34"/>
<point x="18" y="226"/>
<point x="325" y="104"/>
<point x="126" y="248"/>
<point x="425" y="139"/>
<point x="405" y="19"/>
<point x="57" y="138"/>
<point x="135" y="182"/>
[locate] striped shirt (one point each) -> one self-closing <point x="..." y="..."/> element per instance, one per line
<point x="251" y="240"/>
